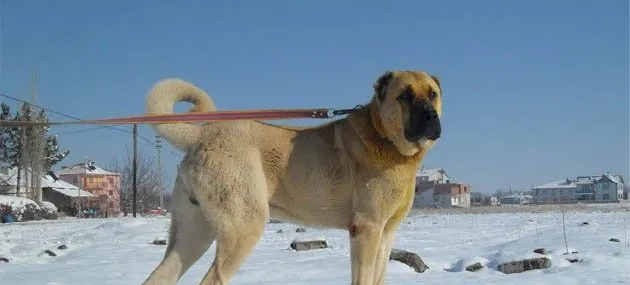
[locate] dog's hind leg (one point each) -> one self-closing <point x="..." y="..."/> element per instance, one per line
<point x="190" y="236"/>
<point x="240" y="218"/>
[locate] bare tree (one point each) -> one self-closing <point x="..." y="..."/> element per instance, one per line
<point x="148" y="195"/>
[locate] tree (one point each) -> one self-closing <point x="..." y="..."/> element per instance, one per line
<point x="14" y="139"/>
<point x="28" y="148"/>
<point x="148" y="193"/>
<point x="52" y="153"/>
<point x="5" y="135"/>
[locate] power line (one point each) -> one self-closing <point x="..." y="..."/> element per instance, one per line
<point x="145" y="139"/>
<point x="81" y="131"/>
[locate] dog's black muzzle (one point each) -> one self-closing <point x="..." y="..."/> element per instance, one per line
<point x="424" y="122"/>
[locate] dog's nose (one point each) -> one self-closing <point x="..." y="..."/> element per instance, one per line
<point x="434" y="129"/>
<point x="433" y="132"/>
<point x="431" y="114"/>
<point x="424" y="122"/>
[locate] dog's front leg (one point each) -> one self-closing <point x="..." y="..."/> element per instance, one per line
<point x="382" y="258"/>
<point x="365" y="239"/>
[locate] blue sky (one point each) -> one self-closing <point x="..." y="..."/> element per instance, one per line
<point x="534" y="91"/>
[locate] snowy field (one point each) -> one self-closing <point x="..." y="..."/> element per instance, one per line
<point x="119" y="251"/>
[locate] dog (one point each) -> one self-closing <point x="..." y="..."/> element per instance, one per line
<point x="356" y="173"/>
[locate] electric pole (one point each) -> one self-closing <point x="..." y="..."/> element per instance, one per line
<point x="135" y="167"/>
<point x="158" y="145"/>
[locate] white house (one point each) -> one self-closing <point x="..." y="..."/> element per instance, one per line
<point x="8" y="184"/>
<point x="517" y="199"/>
<point x="556" y="191"/>
<point x="609" y="188"/>
<point x="603" y="188"/>
<point x="432" y="175"/>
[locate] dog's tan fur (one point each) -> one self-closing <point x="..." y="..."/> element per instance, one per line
<point x="356" y="173"/>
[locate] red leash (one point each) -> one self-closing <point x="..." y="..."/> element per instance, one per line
<point x="274" y="114"/>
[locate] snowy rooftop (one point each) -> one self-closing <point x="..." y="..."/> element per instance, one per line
<point x="594" y="179"/>
<point x="614" y="178"/>
<point x="85" y="168"/>
<point x="586" y="179"/>
<point x="567" y="183"/>
<point x="8" y="177"/>
<point x="64" y="188"/>
<point x="429" y="171"/>
<point x="564" y="183"/>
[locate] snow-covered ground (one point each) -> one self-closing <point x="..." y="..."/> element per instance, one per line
<point x="119" y="251"/>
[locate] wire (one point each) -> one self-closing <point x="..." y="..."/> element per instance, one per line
<point x="80" y="131"/>
<point x="79" y="119"/>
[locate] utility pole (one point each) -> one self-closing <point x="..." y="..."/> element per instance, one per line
<point x="158" y="145"/>
<point x="135" y="167"/>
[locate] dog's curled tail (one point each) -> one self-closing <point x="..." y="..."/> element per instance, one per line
<point x="162" y="98"/>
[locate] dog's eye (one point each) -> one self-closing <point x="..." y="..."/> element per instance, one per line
<point x="407" y="95"/>
<point x="432" y="95"/>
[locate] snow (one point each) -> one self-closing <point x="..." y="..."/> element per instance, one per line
<point x="120" y="251"/>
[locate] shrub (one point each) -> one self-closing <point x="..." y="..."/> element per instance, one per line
<point x="27" y="210"/>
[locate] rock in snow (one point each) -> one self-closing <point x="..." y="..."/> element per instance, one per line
<point x="159" y="241"/>
<point x="540" y="251"/>
<point x="524" y="265"/>
<point x="305" y="244"/>
<point x="413" y="260"/>
<point x="474" y="267"/>
<point x="49" y="252"/>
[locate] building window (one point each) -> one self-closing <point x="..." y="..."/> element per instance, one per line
<point x="606" y="197"/>
<point x="605" y="186"/>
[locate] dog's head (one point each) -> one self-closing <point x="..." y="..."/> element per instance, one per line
<point x="407" y="107"/>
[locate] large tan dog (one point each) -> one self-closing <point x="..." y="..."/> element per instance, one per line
<point x="356" y="173"/>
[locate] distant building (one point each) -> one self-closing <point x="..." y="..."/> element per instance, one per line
<point x="434" y="189"/>
<point x="9" y="182"/>
<point x="483" y="200"/>
<point x="452" y="195"/>
<point x="103" y="184"/>
<point x="603" y="188"/>
<point x="517" y="199"/>
<point x="557" y="191"/>
<point x="63" y="195"/>
<point x="494" y="201"/>
<point x="66" y="197"/>
<point x="432" y="175"/>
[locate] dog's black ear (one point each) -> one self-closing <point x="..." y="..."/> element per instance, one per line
<point x="381" y="84"/>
